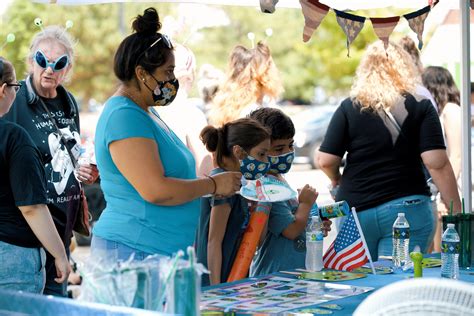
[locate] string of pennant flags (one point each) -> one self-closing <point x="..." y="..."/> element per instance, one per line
<point x="314" y="12"/>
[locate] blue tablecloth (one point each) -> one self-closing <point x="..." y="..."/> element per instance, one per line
<point x="13" y="303"/>
<point x="349" y="304"/>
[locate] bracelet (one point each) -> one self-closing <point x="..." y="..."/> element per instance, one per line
<point x="215" y="184"/>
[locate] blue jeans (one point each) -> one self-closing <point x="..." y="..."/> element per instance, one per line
<point x="377" y="222"/>
<point x="147" y="282"/>
<point x="114" y="251"/>
<point x="22" y="269"/>
<point x="52" y="287"/>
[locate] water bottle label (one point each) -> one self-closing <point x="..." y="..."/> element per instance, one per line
<point x="317" y="236"/>
<point x="450" y="247"/>
<point x="337" y="209"/>
<point x="401" y="233"/>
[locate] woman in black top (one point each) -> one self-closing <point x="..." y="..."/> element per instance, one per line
<point x="48" y="112"/>
<point x="388" y="131"/>
<point x="25" y="221"/>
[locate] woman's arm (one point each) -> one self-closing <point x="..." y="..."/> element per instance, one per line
<point x="139" y="161"/>
<point x="40" y="221"/>
<point x="452" y="129"/>
<point x="439" y="167"/>
<point x="330" y="164"/>
<point x="217" y="227"/>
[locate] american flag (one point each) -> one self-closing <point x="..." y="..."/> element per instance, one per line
<point x="347" y="252"/>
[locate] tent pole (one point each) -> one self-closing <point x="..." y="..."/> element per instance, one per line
<point x="466" y="102"/>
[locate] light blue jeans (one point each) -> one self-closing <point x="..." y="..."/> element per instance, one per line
<point x="377" y="222"/>
<point x="111" y="251"/>
<point x="114" y="251"/>
<point x="22" y="269"/>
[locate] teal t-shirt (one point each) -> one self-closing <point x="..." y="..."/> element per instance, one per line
<point x="277" y="252"/>
<point x="128" y="218"/>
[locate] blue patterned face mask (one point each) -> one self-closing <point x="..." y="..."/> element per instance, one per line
<point x="252" y="169"/>
<point x="282" y="163"/>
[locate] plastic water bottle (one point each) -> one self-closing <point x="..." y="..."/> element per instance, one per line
<point x="336" y="209"/>
<point x="450" y="253"/>
<point x="314" y="245"/>
<point x="85" y="158"/>
<point x="401" y="241"/>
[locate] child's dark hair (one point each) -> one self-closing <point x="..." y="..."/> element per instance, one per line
<point x="6" y="71"/>
<point x="279" y="123"/>
<point x="245" y="132"/>
<point x="145" y="47"/>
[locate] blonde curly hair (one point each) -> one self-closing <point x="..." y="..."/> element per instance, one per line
<point x="383" y="77"/>
<point x="252" y="74"/>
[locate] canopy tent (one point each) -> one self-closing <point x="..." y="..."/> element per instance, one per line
<point x="465" y="38"/>
<point x="337" y="4"/>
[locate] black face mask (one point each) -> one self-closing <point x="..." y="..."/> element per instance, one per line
<point x="165" y="92"/>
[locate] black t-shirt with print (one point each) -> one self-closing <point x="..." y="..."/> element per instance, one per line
<point x="63" y="189"/>
<point x="382" y="166"/>
<point x="22" y="183"/>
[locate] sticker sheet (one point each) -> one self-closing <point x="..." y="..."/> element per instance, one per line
<point x="275" y="294"/>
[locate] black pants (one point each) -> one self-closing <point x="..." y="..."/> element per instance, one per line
<point x="52" y="287"/>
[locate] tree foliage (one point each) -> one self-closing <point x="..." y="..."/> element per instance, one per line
<point x="99" y="29"/>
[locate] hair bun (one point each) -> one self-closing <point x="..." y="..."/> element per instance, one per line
<point x="210" y="138"/>
<point x="148" y="23"/>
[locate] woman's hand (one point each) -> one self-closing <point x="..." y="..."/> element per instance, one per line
<point x="87" y="173"/>
<point x="307" y="195"/>
<point x="227" y="183"/>
<point x="63" y="268"/>
<point x="326" y="227"/>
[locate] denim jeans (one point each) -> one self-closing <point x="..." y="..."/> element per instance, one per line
<point x="114" y="251"/>
<point x="52" y="287"/>
<point x="22" y="269"/>
<point x="377" y="222"/>
<point x="147" y="282"/>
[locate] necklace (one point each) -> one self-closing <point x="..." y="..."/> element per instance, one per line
<point x="124" y="93"/>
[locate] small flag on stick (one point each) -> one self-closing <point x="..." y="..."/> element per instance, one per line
<point x="349" y="250"/>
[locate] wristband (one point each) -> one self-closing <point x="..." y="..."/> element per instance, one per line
<point x="215" y="184"/>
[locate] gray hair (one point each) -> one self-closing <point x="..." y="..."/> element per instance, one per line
<point x="56" y="34"/>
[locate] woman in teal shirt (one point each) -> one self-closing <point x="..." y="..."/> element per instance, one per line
<point x="147" y="174"/>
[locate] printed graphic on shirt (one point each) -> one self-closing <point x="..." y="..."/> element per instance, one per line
<point x="61" y="163"/>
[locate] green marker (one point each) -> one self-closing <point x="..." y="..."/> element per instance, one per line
<point x="417" y="257"/>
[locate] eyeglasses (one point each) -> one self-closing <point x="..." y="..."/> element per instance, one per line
<point x="15" y="85"/>
<point x="166" y="41"/>
<point x="59" y="64"/>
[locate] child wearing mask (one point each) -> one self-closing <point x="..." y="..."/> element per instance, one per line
<point x="241" y="145"/>
<point x="284" y="244"/>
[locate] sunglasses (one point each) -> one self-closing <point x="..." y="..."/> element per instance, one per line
<point x="59" y="64"/>
<point x="166" y="40"/>
<point x="15" y="85"/>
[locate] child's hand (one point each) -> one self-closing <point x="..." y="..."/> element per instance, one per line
<point x="307" y="195"/>
<point x="326" y="227"/>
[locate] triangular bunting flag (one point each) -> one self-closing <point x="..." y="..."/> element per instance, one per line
<point x="351" y="25"/>
<point x="416" y="21"/>
<point x="383" y="27"/>
<point x="313" y="12"/>
<point x="268" y="6"/>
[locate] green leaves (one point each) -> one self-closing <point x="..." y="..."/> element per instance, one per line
<point x="100" y="28"/>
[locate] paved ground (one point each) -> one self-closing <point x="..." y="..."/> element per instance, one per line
<point x="297" y="177"/>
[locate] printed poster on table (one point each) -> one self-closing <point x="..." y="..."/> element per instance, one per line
<point x="275" y="294"/>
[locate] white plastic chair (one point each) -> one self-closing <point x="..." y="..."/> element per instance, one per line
<point x="421" y="296"/>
